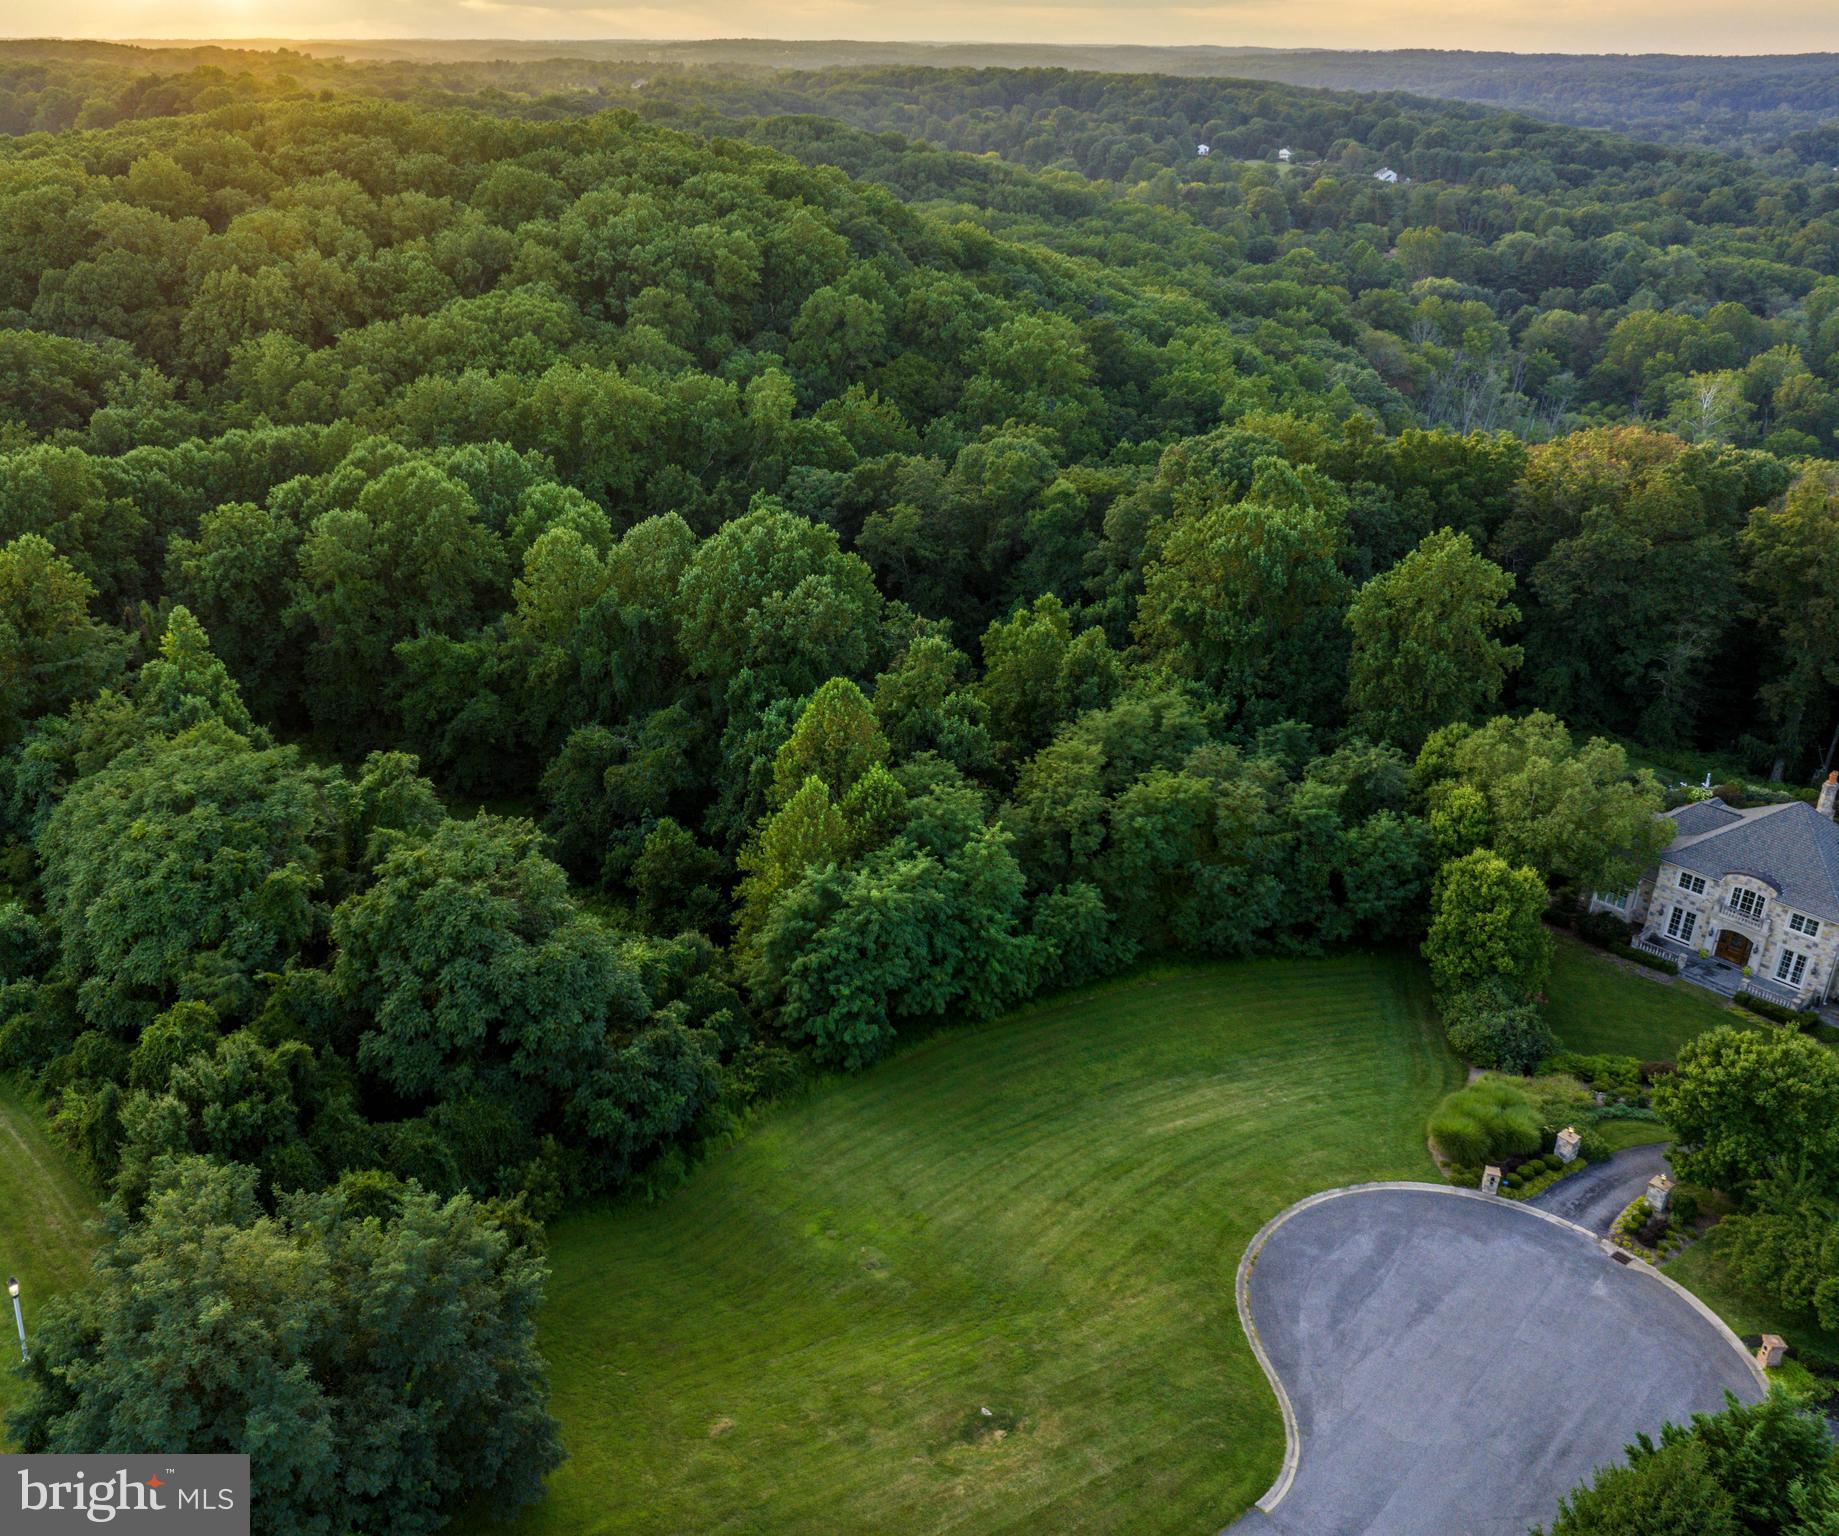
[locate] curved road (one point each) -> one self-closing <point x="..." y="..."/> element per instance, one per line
<point x="1455" y="1363"/>
<point x="1595" y="1197"/>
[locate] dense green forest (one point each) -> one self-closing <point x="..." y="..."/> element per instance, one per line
<point x="1768" y="105"/>
<point x="525" y="627"/>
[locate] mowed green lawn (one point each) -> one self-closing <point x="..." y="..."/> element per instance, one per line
<point x="45" y="1238"/>
<point x="1041" y="1217"/>
<point x="1597" y="1004"/>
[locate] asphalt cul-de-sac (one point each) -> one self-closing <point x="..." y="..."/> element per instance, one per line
<point x="1455" y="1365"/>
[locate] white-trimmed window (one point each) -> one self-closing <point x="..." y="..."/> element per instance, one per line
<point x="1691" y="882"/>
<point x="1615" y="899"/>
<point x="1746" y="902"/>
<point x="1791" y="967"/>
<point x="1680" y="925"/>
<point x="1806" y="925"/>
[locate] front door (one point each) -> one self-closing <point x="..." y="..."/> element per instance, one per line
<point x="1734" y="947"/>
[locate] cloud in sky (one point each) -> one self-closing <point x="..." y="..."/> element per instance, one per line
<point x="1570" y="26"/>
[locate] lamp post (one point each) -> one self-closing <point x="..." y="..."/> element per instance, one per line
<point x="12" y="1289"/>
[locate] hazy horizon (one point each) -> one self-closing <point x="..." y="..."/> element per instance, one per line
<point x="1687" y="27"/>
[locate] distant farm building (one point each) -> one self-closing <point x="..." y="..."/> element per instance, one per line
<point x="1203" y="149"/>
<point x="1284" y="155"/>
<point x="1387" y="175"/>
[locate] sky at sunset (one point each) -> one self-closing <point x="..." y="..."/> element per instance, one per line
<point x="1571" y="26"/>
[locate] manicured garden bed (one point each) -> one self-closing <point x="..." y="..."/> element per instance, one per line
<point x="1656" y="1238"/>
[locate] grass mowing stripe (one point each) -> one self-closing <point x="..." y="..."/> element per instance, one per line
<point x="1039" y="1216"/>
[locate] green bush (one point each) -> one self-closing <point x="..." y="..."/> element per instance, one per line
<point x="1592" y="1145"/>
<point x="1603" y="929"/>
<point x="1494" y="1024"/>
<point x="1528" y="1185"/>
<point x="1801" y="1018"/>
<point x="1458" y="1136"/>
<point x="1485" y="1121"/>
<point x="1617" y="1076"/>
<point x="1642" y="957"/>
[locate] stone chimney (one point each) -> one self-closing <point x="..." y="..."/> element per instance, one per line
<point x="1829" y="793"/>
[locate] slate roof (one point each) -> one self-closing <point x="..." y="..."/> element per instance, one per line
<point x="1703" y="816"/>
<point x="1792" y="847"/>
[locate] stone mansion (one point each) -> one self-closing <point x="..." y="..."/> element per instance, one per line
<point x="1745" y="900"/>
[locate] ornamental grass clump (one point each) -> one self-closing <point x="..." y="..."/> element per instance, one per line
<point x="1485" y="1121"/>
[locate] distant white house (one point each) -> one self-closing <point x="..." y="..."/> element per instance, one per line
<point x="1387" y="175"/>
<point x="1203" y="149"/>
<point x="1284" y="155"/>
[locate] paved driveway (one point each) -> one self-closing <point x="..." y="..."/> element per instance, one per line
<point x="1595" y="1197"/>
<point x="1454" y="1365"/>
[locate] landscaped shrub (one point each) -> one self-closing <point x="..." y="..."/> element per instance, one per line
<point x="1801" y="1018"/>
<point x="1604" y="929"/>
<point x="1534" y="1178"/>
<point x="1486" y="1121"/>
<point x="1494" y="1024"/>
<point x="1558" y="1099"/>
<point x="1643" y="958"/>
<point x="1618" y="1076"/>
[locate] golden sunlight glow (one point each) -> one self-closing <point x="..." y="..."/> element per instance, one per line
<point x="1569" y="26"/>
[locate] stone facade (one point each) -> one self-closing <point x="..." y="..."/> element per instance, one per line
<point x="1757" y="888"/>
<point x="1704" y="916"/>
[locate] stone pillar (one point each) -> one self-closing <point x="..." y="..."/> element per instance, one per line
<point x="1659" y="1193"/>
<point x="1490" y="1180"/>
<point x="1567" y="1145"/>
<point x="1772" y="1351"/>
